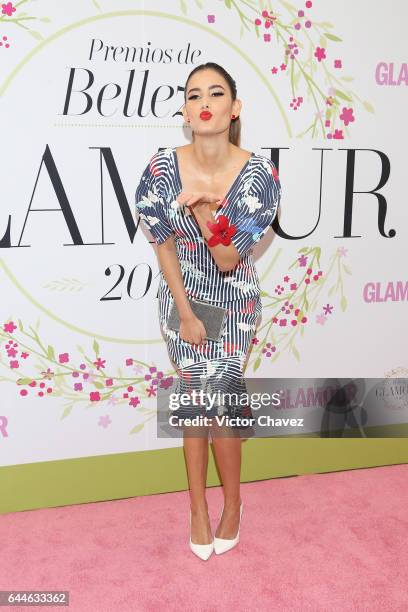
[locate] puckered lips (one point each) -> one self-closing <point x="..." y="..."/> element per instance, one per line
<point x="205" y="115"/>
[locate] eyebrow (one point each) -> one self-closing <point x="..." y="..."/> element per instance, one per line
<point x="198" y="89"/>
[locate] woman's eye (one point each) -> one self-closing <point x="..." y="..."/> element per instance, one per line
<point x="216" y="93"/>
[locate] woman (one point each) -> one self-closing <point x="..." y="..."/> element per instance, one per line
<point x="206" y="204"/>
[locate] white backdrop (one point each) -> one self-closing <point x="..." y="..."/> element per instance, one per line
<point x="79" y="325"/>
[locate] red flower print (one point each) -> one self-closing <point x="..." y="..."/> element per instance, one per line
<point x="222" y="231"/>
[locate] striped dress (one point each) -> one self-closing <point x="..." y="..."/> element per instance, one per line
<point x="251" y="205"/>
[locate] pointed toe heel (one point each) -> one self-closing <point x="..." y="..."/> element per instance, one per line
<point x="222" y="545"/>
<point x="203" y="551"/>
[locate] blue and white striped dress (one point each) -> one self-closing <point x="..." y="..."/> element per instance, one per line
<point x="251" y="205"/>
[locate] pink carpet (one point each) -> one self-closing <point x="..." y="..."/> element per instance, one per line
<point x="325" y="542"/>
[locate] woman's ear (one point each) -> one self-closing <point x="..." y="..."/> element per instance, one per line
<point x="236" y="107"/>
<point x="185" y="116"/>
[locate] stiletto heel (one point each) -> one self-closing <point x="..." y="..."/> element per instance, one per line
<point x="222" y="545"/>
<point x="201" y="550"/>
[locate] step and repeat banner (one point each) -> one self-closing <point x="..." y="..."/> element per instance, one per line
<point x="89" y="90"/>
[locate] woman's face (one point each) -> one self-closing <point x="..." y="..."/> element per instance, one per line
<point x="207" y="90"/>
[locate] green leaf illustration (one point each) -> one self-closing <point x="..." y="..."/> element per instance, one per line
<point x="66" y="412"/>
<point x="36" y="35"/>
<point x="96" y="348"/>
<point x="333" y="37"/>
<point x="289" y="6"/>
<point x="183" y="7"/>
<point x="346" y="269"/>
<point x="257" y="363"/>
<point x="137" y="428"/>
<point x="24" y="381"/>
<point x="51" y="353"/>
<point x="343" y="96"/>
<point x="343" y="303"/>
<point x="295" y="352"/>
<point x="369" y="107"/>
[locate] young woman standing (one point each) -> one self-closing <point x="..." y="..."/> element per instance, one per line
<point x="206" y="204"/>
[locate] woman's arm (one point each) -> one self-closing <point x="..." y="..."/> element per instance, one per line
<point x="191" y="327"/>
<point x="226" y="257"/>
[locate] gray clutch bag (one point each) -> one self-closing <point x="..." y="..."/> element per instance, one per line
<point x="213" y="318"/>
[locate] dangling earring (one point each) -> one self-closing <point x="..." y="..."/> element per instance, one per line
<point x="233" y="117"/>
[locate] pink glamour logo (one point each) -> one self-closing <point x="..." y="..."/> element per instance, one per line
<point x="391" y="74"/>
<point x="393" y="291"/>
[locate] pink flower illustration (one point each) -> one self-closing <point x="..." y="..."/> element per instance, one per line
<point x="99" y="363"/>
<point x="166" y="382"/>
<point x="8" y="9"/>
<point x="320" y="53"/>
<point x="63" y="358"/>
<point x="94" y="396"/>
<point x="347" y="115"/>
<point x="104" y="421"/>
<point x="9" y="327"/>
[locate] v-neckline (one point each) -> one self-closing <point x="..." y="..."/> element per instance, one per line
<point x="221" y="206"/>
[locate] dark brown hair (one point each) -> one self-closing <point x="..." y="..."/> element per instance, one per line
<point x="235" y="125"/>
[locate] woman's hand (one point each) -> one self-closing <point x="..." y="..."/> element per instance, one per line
<point x="192" y="330"/>
<point x="198" y="200"/>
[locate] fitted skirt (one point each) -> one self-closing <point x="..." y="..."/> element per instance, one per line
<point x="216" y="368"/>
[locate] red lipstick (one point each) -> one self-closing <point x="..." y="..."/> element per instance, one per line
<point x="205" y="115"/>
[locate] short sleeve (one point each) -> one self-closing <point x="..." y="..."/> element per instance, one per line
<point x="257" y="208"/>
<point x="150" y="203"/>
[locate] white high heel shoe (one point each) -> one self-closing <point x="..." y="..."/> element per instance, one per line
<point x="222" y="545"/>
<point x="203" y="551"/>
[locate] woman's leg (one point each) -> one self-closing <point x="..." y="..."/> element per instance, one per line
<point x="196" y="457"/>
<point x="227" y="449"/>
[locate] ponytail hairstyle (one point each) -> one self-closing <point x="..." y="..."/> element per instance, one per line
<point x="235" y="125"/>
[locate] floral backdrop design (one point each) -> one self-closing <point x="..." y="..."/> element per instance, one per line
<point x="305" y="60"/>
